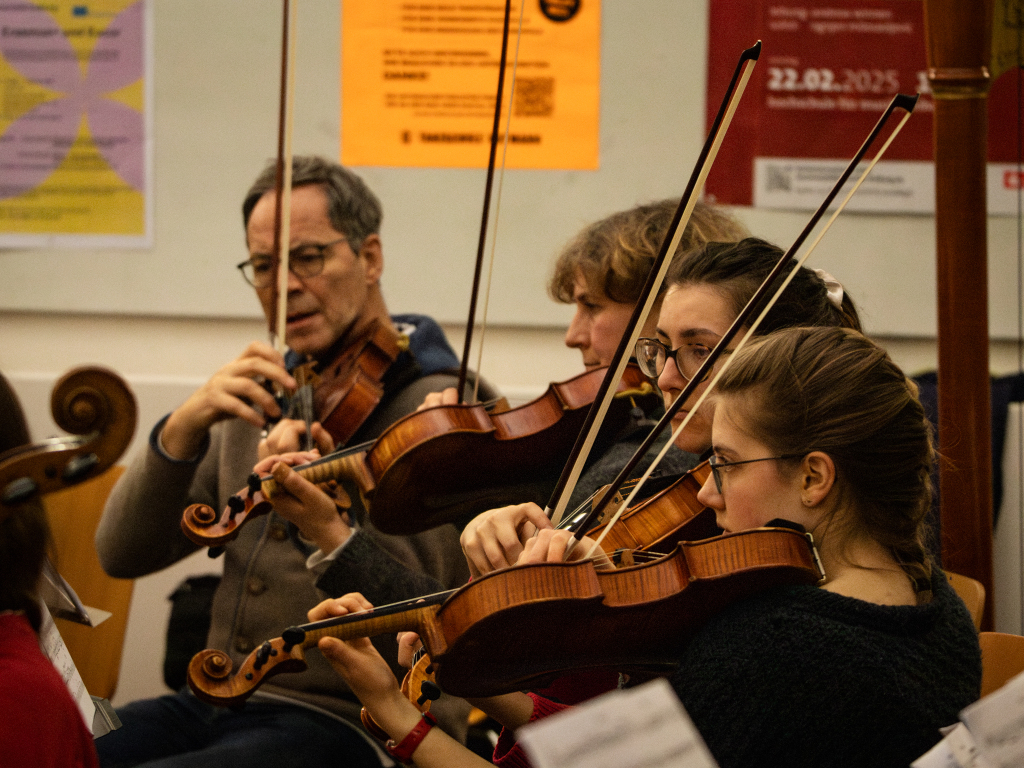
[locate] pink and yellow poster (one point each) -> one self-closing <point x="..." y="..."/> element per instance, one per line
<point x="73" y="123"/>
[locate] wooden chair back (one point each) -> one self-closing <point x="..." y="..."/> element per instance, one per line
<point x="972" y="592"/>
<point x="74" y="514"/>
<point x="1002" y="657"/>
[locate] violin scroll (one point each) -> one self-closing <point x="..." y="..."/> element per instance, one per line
<point x="209" y="672"/>
<point x="98" y="408"/>
<point x="202" y="524"/>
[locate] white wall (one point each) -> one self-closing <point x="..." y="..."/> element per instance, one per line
<point x="215" y="99"/>
<point x="1008" y="546"/>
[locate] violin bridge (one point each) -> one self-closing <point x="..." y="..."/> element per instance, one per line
<point x="625" y="557"/>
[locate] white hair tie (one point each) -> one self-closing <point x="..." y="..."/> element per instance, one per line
<point x="833" y="287"/>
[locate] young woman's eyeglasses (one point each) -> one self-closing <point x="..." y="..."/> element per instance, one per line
<point x="717" y="464"/>
<point x="304" y="261"/>
<point x="651" y="355"/>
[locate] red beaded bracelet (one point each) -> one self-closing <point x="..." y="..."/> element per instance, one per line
<point x="403" y="750"/>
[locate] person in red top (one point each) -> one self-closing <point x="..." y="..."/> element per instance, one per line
<point x="40" y="724"/>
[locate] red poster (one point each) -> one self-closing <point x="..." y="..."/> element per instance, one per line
<point x="827" y="71"/>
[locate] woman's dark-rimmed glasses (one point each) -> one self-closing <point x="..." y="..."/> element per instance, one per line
<point x="651" y="355"/>
<point x="717" y="464"/>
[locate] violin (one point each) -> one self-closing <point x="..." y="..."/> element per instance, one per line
<point x="346" y="389"/>
<point x="96" y="406"/>
<point x="436" y="466"/>
<point x="656" y="523"/>
<point x="479" y="637"/>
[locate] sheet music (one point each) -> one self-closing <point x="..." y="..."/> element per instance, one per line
<point x="54" y="649"/>
<point x="62" y="600"/>
<point x="997" y="724"/>
<point x="642" y="727"/>
<point x="990" y="733"/>
<point x="956" y="750"/>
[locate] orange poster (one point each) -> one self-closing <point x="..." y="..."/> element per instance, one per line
<point x="419" y="79"/>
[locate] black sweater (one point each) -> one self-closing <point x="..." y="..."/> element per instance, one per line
<point x="800" y="676"/>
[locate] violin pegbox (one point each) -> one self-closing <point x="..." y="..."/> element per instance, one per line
<point x="202" y="525"/>
<point x="209" y="672"/>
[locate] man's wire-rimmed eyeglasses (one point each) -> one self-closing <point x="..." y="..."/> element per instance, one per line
<point x="303" y="261"/>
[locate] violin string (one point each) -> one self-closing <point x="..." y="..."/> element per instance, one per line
<point x="344" y="451"/>
<point x="567" y="521"/>
<point x="567" y="483"/>
<point x="639" y="555"/>
<point x="571" y="521"/>
<point x="750" y="333"/>
<point x="497" y="208"/>
<point x="341" y="453"/>
<point x="380" y="610"/>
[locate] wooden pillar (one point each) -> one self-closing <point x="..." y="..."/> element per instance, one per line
<point x="959" y="44"/>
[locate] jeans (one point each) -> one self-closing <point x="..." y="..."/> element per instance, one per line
<point x="179" y="731"/>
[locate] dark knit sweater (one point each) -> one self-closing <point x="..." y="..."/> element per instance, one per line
<point x="602" y="470"/>
<point x="800" y="676"/>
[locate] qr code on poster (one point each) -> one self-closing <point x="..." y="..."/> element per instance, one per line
<point x="535" y="96"/>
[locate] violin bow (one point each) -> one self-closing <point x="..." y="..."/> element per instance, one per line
<point x="283" y="180"/>
<point x="588" y="435"/>
<point x="900" y="101"/>
<point x="497" y="207"/>
<point x="302" y="400"/>
<point x="482" y="241"/>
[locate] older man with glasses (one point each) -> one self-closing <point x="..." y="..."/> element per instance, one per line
<point x="204" y="451"/>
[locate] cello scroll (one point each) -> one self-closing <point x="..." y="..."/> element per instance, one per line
<point x="98" y="408"/>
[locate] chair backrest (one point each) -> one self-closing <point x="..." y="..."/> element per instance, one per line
<point x="972" y="592"/>
<point x="74" y="514"/>
<point x="1002" y="657"/>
